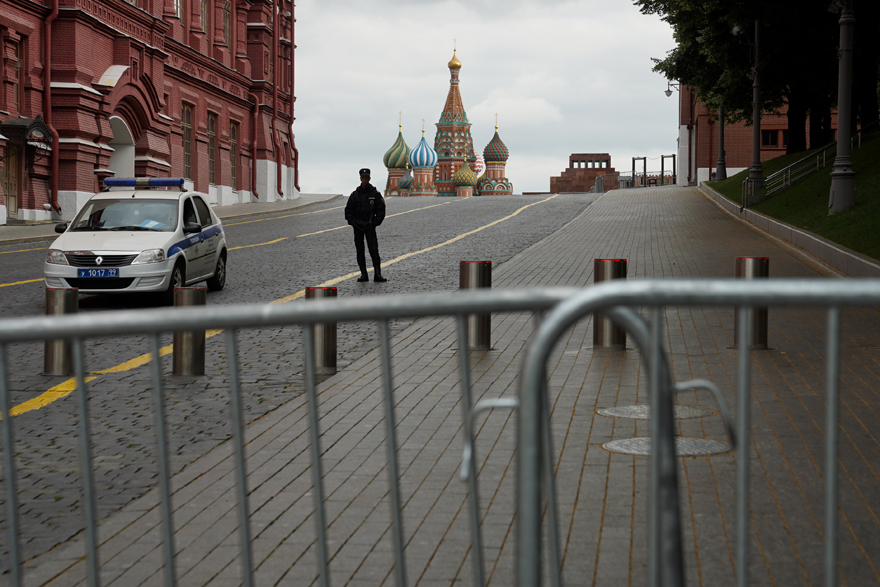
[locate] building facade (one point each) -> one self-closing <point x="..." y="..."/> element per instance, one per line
<point x="698" y="139"/>
<point x="200" y="89"/>
<point x="581" y="174"/>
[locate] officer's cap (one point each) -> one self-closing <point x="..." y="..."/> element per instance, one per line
<point x="365" y="172"/>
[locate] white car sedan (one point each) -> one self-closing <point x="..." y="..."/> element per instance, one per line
<point x="133" y="237"/>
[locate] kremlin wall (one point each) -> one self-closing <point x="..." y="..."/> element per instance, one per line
<point x="450" y="167"/>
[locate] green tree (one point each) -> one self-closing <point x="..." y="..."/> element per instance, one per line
<point x="798" y="58"/>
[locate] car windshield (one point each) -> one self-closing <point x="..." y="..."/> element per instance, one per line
<point x="127" y="214"/>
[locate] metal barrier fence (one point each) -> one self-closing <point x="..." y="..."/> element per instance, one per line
<point x="560" y="309"/>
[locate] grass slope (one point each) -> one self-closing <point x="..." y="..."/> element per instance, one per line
<point x="805" y="204"/>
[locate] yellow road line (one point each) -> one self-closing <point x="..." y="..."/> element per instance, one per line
<point x="391" y="216"/>
<point x="259" y="244"/>
<point x="46" y="398"/>
<point x="20" y="282"/>
<point x="23" y="250"/>
<point x="60" y="391"/>
<point x="285" y="216"/>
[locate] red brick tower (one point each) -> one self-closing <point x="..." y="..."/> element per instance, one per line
<point x="453" y="141"/>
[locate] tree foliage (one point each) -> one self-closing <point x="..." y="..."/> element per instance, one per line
<point x="797" y="58"/>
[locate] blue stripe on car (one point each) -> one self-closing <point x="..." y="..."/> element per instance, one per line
<point x="193" y="240"/>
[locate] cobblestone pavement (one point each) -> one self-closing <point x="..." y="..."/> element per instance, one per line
<point x="317" y="246"/>
<point x="664" y="233"/>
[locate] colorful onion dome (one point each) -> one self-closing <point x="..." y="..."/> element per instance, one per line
<point x="480" y="164"/>
<point x="406" y="181"/>
<point x="496" y="150"/>
<point x="465" y="176"/>
<point x="398" y="154"/>
<point x="454" y="63"/>
<point x="423" y="155"/>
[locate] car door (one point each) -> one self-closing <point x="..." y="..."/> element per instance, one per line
<point x="210" y="236"/>
<point x="192" y="249"/>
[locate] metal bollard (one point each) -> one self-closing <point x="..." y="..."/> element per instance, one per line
<point x="607" y="334"/>
<point x="56" y="356"/>
<point x="324" y="334"/>
<point x="189" y="347"/>
<point x="476" y="275"/>
<point x="752" y="268"/>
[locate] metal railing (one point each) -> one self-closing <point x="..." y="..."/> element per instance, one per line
<point x="554" y="311"/>
<point x="788" y="176"/>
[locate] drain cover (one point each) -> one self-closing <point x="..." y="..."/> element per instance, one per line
<point x="643" y="412"/>
<point x="685" y="446"/>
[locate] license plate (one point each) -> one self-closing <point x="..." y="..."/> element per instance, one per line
<point x="103" y="272"/>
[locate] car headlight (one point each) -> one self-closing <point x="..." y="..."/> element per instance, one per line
<point x="149" y="256"/>
<point x="56" y="257"/>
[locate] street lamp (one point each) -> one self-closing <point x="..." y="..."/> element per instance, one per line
<point x="756" y="171"/>
<point x="721" y="166"/>
<point x="843" y="195"/>
<point x="669" y="86"/>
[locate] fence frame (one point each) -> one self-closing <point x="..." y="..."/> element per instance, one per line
<point x="554" y="310"/>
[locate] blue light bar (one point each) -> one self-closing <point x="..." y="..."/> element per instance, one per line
<point x="144" y="182"/>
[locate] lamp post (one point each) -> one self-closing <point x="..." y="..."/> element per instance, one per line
<point x="756" y="171"/>
<point x="843" y="195"/>
<point x="721" y="167"/>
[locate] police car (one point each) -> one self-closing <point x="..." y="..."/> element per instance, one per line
<point x="133" y="237"/>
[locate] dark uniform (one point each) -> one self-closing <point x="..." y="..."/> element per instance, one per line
<point x="365" y="211"/>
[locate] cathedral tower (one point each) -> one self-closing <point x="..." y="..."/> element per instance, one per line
<point x="453" y="142"/>
<point x="422" y="160"/>
<point x="494" y="182"/>
<point x="396" y="161"/>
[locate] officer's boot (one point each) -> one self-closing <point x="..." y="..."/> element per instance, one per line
<point x="364" y="277"/>
<point x="377" y="274"/>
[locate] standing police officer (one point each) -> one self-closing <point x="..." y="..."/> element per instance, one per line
<point x="365" y="211"/>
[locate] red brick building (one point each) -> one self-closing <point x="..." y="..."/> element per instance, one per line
<point x="201" y="89"/>
<point x="698" y="139"/>
<point x="583" y="169"/>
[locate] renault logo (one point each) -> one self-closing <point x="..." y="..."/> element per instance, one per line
<point x="99" y="260"/>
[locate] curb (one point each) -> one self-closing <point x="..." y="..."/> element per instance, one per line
<point x="846" y="261"/>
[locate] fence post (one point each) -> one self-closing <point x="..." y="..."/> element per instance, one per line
<point x="476" y="275"/>
<point x="606" y="334"/>
<point x="752" y="268"/>
<point x="324" y="335"/>
<point x="56" y="354"/>
<point x="188" y="358"/>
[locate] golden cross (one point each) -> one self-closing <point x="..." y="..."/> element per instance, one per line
<point x="496" y="122"/>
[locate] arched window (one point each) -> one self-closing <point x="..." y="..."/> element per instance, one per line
<point x="212" y="147"/>
<point x="205" y="8"/>
<point x="227" y="23"/>
<point x="186" y="124"/>
<point x="233" y="153"/>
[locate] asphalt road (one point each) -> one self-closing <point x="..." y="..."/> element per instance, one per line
<point x="271" y="257"/>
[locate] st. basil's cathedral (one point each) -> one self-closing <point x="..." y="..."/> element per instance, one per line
<point x="451" y="167"/>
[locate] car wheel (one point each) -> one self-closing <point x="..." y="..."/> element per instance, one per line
<point x="218" y="280"/>
<point x="177" y="280"/>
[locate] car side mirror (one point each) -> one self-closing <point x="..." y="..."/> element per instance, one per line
<point x="60" y="228"/>
<point x="192" y="228"/>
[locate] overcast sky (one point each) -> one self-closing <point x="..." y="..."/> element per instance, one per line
<point x="564" y="77"/>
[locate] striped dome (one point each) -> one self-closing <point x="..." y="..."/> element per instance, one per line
<point x="423" y="155"/>
<point x="406" y="181"/>
<point x="496" y="150"/>
<point x="465" y="176"/>
<point x="397" y="155"/>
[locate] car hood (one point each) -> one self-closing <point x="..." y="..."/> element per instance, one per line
<point x="112" y="241"/>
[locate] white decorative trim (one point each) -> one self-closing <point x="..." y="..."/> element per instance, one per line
<point x="166" y="117"/>
<point x="152" y="160"/>
<point x="85" y="143"/>
<point x="74" y="86"/>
